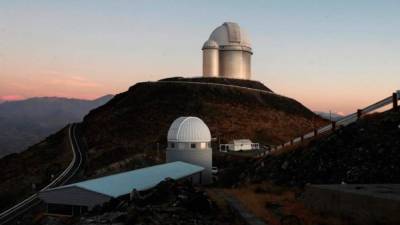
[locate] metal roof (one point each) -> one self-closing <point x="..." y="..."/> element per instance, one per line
<point x="230" y="33"/>
<point x="189" y="129"/>
<point x="141" y="179"/>
<point x="242" y="141"/>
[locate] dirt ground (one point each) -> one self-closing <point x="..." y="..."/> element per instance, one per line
<point x="277" y="205"/>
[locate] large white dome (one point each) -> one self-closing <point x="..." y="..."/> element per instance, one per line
<point x="189" y="129"/>
<point x="230" y="33"/>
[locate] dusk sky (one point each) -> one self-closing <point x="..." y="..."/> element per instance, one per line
<point x="329" y="55"/>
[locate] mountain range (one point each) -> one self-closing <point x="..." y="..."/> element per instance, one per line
<point x="329" y="116"/>
<point x="26" y="122"/>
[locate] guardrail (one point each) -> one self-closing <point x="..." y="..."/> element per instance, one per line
<point x="351" y="118"/>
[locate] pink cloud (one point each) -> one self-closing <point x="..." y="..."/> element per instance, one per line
<point x="74" y="81"/>
<point x="341" y="113"/>
<point x="11" y="98"/>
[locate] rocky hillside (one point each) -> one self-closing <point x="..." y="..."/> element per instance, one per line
<point x="365" y="152"/>
<point x="123" y="133"/>
<point x="135" y="121"/>
<point x="26" y="122"/>
<point x="18" y="171"/>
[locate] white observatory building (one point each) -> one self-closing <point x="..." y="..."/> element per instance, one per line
<point x="189" y="140"/>
<point x="227" y="53"/>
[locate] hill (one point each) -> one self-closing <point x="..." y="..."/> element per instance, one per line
<point x="329" y="116"/>
<point x="124" y="132"/>
<point x="26" y="122"/>
<point x="364" y="152"/>
<point x="18" y="171"/>
<point x="137" y="121"/>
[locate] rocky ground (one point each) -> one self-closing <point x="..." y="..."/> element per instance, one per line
<point x="364" y="152"/>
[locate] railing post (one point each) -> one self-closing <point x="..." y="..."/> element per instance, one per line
<point x="291" y="142"/>
<point x="315" y="132"/>
<point x="302" y="138"/>
<point x="359" y="113"/>
<point x="395" y="102"/>
<point x="333" y="125"/>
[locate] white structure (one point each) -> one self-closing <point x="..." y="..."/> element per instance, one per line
<point x="227" y="53"/>
<point x="74" y="199"/>
<point x="239" y="145"/>
<point x="189" y="140"/>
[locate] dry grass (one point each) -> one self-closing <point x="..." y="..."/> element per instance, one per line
<point x="272" y="203"/>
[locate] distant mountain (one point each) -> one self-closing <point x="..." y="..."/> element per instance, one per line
<point x="26" y="122"/>
<point x="328" y="116"/>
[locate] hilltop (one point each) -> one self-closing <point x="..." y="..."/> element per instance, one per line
<point x="137" y="121"/>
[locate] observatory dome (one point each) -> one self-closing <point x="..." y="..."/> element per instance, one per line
<point x="227" y="53"/>
<point x="230" y="33"/>
<point x="189" y="129"/>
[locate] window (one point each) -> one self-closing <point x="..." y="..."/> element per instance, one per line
<point x="203" y="145"/>
<point x="192" y="145"/>
<point x="172" y="145"/>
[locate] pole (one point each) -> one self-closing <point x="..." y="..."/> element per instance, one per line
<point x="395" y="102"/>
<point x="359" y="113"/>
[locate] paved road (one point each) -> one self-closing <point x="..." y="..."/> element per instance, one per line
<point x="223" y="85"/>
<point x="32" y="201"/>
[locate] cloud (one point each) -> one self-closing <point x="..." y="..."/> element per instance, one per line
<point x="10" y="98"/>
<point x="341" y="113"/>
<point x="74" y="81"/>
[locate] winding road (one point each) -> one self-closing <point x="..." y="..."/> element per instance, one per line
<point x="72" y="169"/>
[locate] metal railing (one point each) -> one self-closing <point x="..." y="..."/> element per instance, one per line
<point x="351" y="118"/>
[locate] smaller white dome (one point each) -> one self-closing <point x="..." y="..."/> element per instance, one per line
<point x="210" y="44"/>
<point x="188" y="129"/>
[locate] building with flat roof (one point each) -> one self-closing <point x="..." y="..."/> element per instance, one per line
<point x="239" y="145"/>
<point x="73" y="199"/>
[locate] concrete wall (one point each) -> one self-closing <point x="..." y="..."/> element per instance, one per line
<point x="201" y="157"/>
<point x="73" y="196"/>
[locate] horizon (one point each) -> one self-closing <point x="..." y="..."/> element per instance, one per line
<point x="336" y="56"/>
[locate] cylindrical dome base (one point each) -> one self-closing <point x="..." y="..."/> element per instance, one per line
<point x="210" y="62"/>
<point x="202" y="157"/>
<point x="235" y="64"/>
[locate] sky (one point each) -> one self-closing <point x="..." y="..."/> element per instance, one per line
<point x="329" y="55"/>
